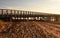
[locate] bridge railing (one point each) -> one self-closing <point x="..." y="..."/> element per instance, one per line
<point x="14" y="12"/>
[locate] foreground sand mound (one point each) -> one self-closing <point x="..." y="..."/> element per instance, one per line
<point x="26" y="30"/>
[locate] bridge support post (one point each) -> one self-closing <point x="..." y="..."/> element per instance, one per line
<point x="53" y="18"/>
<point x="58" y="19"/>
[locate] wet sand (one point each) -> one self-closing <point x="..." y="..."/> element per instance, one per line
<point x="29" y="29"/>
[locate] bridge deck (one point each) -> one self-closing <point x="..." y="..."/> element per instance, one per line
<point x="8" y="14"/>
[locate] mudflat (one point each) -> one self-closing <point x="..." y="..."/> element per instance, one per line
<point x="29" y="29"/>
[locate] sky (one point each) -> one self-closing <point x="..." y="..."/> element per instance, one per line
<point x="46" y="6"/>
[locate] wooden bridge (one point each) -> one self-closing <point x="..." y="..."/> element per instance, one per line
<point x="10" y="14"/>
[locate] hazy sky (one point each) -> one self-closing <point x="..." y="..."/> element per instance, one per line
<point x="48" y="6"/>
